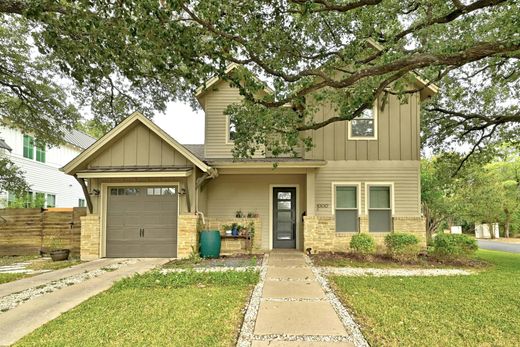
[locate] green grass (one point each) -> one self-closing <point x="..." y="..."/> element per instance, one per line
<point x="4" y="278"/>
<point x="477" y="310"/>
<point x="181" y="309"/>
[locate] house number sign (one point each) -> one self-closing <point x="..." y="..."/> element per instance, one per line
<point x="322" y="205"/>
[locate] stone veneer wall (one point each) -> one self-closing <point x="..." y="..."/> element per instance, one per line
<point x="320" y="232"/>
<point x="90" y="237"/>
<point x="230" y="246"/>
<point x="186" y="235"/>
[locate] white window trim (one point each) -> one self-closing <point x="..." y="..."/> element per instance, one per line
<point x="375" y="112"/>
<point x="228" y="140"/>
<point x="380" y="184"/>
<point x="348" y="184"/>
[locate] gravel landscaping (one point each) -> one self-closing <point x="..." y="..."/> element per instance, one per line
<point x="354" y="271"/>
<point x="10" y="301"/>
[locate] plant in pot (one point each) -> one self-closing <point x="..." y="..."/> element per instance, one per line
<point x="57" y="252"/>
<point x="234" y="229"/>
<point x="239" y="214"/>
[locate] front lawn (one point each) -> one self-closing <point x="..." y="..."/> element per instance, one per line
<point x="177" y="309"/>
<point x="475" y="310"/>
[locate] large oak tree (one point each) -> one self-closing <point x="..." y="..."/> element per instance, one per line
<point x="126" y="55"/>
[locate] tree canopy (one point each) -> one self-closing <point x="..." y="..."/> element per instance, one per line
<point x="123" y="56"/>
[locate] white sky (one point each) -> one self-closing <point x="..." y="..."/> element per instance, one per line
<point x="182" y="123"/>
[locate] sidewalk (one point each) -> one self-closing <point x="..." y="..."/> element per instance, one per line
<point x="295" y="310"/>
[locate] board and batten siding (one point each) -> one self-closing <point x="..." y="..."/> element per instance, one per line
<point x="397" y="134"/>
<point x="139" y="146"/>
<point x="403" y="174"/>
<point x="215" y="101"/>
<point x="250" y="193"/>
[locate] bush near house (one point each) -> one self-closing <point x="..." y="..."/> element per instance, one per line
<point x="402" y="246"/>
<point x="454" y="246"/>
<point x="362" y="244"/>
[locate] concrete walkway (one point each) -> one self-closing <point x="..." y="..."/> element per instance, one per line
<point x="296" y="310"/>
<point x="23" y="319"/>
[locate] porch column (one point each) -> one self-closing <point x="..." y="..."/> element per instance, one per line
<point x="310" y="193"/>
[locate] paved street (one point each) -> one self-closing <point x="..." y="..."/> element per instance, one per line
<point x="497" y="245"/>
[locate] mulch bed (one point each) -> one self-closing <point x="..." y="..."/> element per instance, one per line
<point x="423" y="260"/>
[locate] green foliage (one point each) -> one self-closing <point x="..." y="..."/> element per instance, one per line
<point x="147" y="53"/>
<point x="363" y="244"/>
<point x="402" y="246"/>
<point x="31" y="95"/>
<point x="12" y="178"/>
<point x="454" y="246"/>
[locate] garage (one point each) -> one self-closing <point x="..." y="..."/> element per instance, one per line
<point x="142" y="221"/>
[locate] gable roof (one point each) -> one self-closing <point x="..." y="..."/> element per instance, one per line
<point x="212" y="81"/>
<point x="100" y="144"/>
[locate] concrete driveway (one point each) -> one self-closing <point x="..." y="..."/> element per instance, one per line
<point x="497" y="245"/>
<point x="27" y="304"/>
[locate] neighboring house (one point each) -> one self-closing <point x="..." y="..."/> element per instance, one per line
<point x="146" y="189"/>
<point x="42" y="164"/>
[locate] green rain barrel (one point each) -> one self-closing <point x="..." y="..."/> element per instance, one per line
<point x="210" y="244"/>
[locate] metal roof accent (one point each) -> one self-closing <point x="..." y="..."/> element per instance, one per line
<point x="78" y="138"/>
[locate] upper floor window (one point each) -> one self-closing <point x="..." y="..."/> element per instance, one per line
<point x="81" y="202"/>
<point x="379" y="208"/>
<point x="364" y="127"/>
<point x="40" y="152"/>
<point x="346" y="208"/>
<point x="29" y="146"/>
<point x="231" y="130"/>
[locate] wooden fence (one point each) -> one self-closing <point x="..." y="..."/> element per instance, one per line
<point x="26" y="231"/>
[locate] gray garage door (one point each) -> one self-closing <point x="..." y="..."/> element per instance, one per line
<point x="142" y="222"/>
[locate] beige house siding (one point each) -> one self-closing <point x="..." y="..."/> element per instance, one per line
<point x="250" y="193"/>
<point x="403" y="174"/>
<point x="215" y="101"/>
<point x="397" y="135"/>
<point x="138" y="146"/>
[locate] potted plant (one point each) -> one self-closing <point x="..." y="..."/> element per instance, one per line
<point x="239" y="214"/>
<point x="234" y="229"/>
<point x="57" y="252"/>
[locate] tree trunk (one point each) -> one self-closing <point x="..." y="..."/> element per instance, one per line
<point x="507" y="223"/>
<point x="491" y="231"/>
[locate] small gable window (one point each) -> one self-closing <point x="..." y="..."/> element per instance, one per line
<point x="364" y="126"/>
<point x="232" y="131"/>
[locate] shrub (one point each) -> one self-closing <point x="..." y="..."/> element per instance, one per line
<point x="454" y="246"/>
<point x="363" y="244"/>
<point x="401" y="246"/>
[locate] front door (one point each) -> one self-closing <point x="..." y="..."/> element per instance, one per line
<point x="284" y="217"/>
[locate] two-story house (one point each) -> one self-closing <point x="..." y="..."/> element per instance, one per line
<point x="49" y="186"/>
<point x="146" y="190"/>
